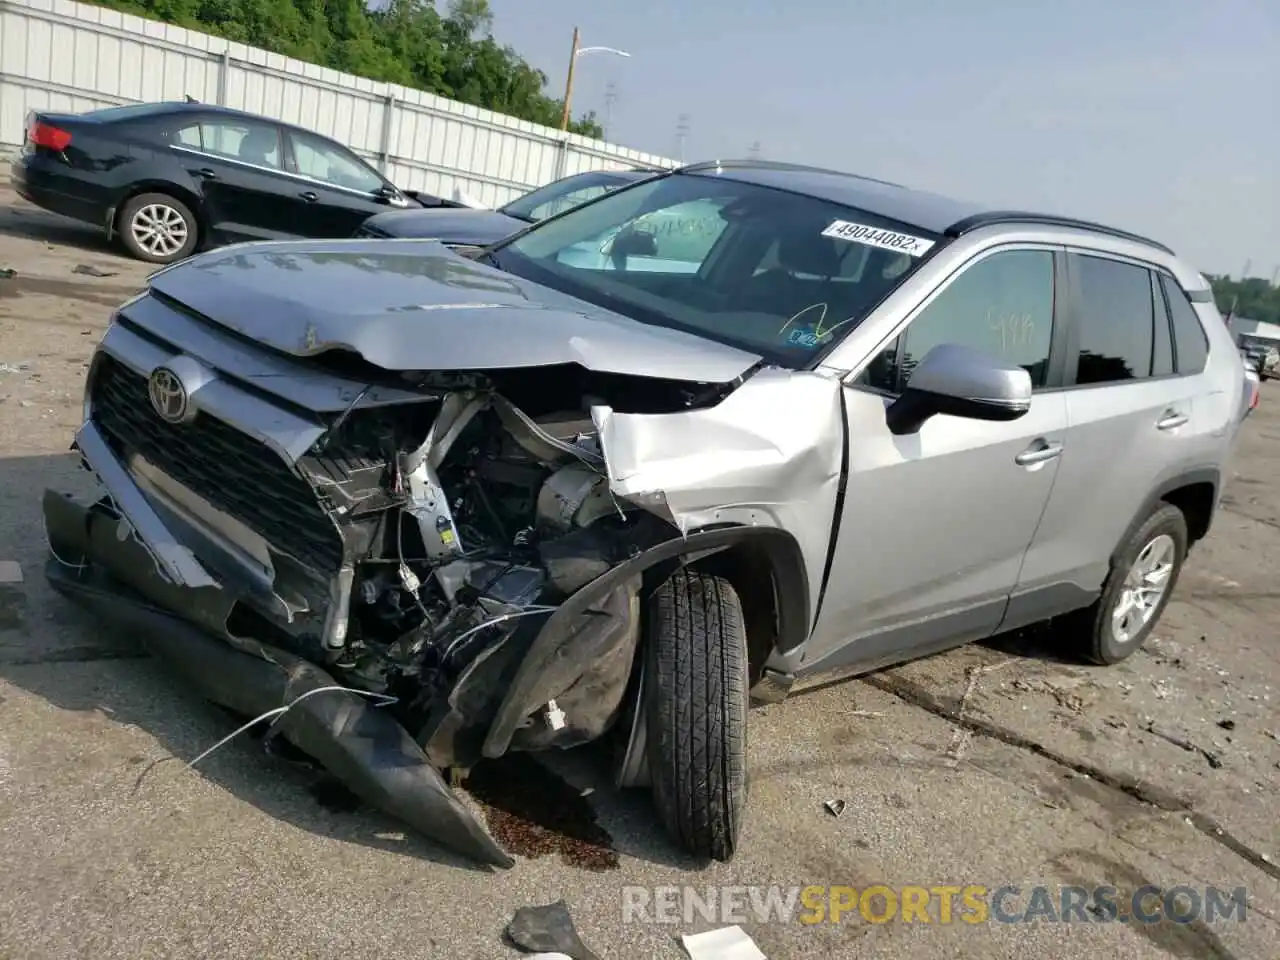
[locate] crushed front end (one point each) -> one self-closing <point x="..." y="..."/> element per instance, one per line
<point x="427" y="568"/>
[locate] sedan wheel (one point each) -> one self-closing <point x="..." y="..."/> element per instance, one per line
<point x="157" y="228"/>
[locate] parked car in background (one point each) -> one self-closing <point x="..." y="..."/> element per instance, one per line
<point x="1253" y="383"/>
<point x="521" y="501"/>
<point x="168" y="178"/>
<point x="458" y="224"/>
<point x="1264" y="353"/>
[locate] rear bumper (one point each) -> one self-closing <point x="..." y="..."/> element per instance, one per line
<point x="40" y="181"/>
<point x="111" y="566"/>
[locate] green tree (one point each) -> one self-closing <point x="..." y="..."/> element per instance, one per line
<point x="408" y="42"/>
<point x="1251" y="297"/>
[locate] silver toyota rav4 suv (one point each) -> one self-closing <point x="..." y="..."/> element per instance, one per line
<point x="704" y="438"/>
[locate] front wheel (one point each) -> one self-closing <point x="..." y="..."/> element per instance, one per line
<point x="158" y="228"/>
<point x="696" y="710"/>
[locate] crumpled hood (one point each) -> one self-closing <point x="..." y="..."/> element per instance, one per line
<point x="415" y="305"/>
<point x="447" y="224"/>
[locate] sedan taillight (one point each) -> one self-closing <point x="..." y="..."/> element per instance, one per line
<point x="43" y="134"/>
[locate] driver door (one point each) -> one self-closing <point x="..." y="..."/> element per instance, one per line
<point x="338" y="191"/>
<point x="936" y="524"/>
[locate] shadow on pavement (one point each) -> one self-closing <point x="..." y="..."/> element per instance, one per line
<point x="32" y="223"/>
<point x="533" y="811"/>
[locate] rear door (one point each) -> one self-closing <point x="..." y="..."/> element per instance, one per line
<point x="239" y="164"/>
<point x="1132" y="414"/>
<point x="338" y="190"/>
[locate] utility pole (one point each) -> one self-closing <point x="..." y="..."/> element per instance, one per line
<point x="610" y="98"/>
<point x="682" y="133"/>
<point x="568" y="83"/>
<point x="1275" y="275"/>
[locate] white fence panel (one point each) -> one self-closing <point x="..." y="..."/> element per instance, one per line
<point x="64" y="56"/>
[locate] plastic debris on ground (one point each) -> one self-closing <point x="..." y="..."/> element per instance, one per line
<point x="548" y="932"/>
<point x="727" y="943"/>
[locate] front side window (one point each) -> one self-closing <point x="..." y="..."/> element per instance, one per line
<point x="1001" y="305"/>
<point x="772" y="272"/>
<point x="1189" y="341"/>
<point x="329" y="163"/>
<point x="1116" y="321"/>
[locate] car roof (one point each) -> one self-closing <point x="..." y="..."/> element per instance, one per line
<point x="931" y="212"/>
<point x="161" y="107"/>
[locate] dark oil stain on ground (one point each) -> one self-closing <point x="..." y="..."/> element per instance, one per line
<point x="532" y="812"/>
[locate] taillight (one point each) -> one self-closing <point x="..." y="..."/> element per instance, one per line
<point x="46" y="135"/>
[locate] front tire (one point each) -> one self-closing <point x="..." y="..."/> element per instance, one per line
<point x="158" y="228"/>
<point x="696" y="711"/>
<point x="1142" y="579"/>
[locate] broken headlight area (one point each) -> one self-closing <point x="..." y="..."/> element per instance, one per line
<point x="462" y="540"/>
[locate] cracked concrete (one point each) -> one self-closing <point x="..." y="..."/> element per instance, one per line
<point x="995" y="764"/>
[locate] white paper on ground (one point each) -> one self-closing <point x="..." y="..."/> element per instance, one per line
<point x="727" y="943"/>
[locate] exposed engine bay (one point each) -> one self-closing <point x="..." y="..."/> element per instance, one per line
<point x="466" y="521"/>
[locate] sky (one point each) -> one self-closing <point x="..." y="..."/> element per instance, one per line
<point x="1158" y="116"/>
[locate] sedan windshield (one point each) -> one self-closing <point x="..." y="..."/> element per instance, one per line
<point x="775" y="273"/>
<point x="563" y="194"/>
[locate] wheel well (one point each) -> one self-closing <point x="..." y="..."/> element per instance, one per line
<point x="1196" y="501"/>
<point x="763" y="574"/>
<point x="171" y="189"/>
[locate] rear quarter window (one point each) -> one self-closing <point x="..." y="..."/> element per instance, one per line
<point x="1190" y="344"/>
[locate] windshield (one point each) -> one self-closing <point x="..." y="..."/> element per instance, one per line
<point x="563" y="194"/>
<point x="778" y="274"/>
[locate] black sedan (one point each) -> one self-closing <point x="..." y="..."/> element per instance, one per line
<point x="167" y="178"/>
<point x="466" y="226"/>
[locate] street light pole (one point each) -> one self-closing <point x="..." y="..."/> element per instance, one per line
<point x="568" y="84"/>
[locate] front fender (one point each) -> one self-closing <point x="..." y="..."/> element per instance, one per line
<point x="528" y="689"/>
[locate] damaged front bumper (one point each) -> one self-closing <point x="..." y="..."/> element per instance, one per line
<point x="98" y="563"/>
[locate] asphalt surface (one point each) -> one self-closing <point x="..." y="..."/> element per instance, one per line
<point x="998" y="764"/>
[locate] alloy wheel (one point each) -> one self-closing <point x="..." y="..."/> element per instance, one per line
<point x="159" y="229"/>
<point x="1144" y="588"/>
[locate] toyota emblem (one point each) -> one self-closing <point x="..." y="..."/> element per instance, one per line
<point x="168" y="395"/>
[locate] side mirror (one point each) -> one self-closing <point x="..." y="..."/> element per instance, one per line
<point x="960" y="382"/>
<point x="632" y="243"/>
<point x="391" y="195"/>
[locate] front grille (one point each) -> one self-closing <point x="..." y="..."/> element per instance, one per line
<point x="236" y="473"/>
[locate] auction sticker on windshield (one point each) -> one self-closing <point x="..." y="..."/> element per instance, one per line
<point x="876" y="237"/>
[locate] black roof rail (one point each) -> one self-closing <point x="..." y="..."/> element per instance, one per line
<point x="779" y="165"/>
<point x="998" y="217"/>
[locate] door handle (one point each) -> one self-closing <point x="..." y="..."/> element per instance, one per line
<point x="1041" y="451"/>
<point x="204" y="173"/>
<point x="1171" y="419"/>
<point x="309" y="195"/>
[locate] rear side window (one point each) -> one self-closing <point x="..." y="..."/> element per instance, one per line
<point x="1115" y="324"/>
<point x="1191" y="346"/>
<point x="1162" y="352"/>
<point x="248" y="141"/>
